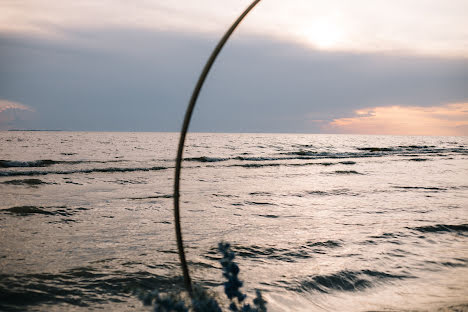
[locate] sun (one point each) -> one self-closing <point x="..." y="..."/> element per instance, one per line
<point x="323" y="34"/>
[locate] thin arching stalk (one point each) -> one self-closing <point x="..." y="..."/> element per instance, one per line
<point x="183" y="133"/>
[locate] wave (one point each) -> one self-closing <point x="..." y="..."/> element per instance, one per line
<point x="326" y="155"/>
<point x="423" y="188"/>
<point x="456" y="263"/>
<point x="347" y="162"/>
<point x="255" y="203"/>
<point x="282" y="158"/>
<point x="376" y="149"/>
<point x="306" y="251"/>
<point x="389" y="235"/>
<point x="270" y="216"/>
<point x="345" y="281"/>
<point x="417" y="149"/>
<point x="225" y="195"/>
<point x="346" y="172"/>
<point x="33" y="163"/>
<point x="261" y="158"/>
<point x="27" y="210"/>
<point x="78" y="287"/>
<point x="328" y="244"/>
<point x="271" y="253"/>
<point x="413" y="151"/>
<point x="260" y="194"/>
<point x="461" y="228"/>
<point x="416" y="146"/>
<point x="334" y="192"/>
<point x="92" y="170"/>
<point x="456" y="308"/>
<point x="29" y="182"/>
<point x="205" y="159"/>
<point x="63" y="211"/>
<point x="261" y="165"/>
<point x="418" y="159"/>
<point x="256" y="165"/>
<point x="302" y="153"/>
<point x="153" y="197"/>
<point x="48" y="163"/>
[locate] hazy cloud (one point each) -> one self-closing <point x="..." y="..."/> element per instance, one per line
<point x="450" y="119"/>
<point x="9" y="105"/>
<point x="128" y="80"/>
<point x="13" y="114"/>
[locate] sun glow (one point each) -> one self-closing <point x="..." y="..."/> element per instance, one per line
<point x="324" y="34"/>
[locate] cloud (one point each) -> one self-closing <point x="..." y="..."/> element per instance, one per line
<point x="13" y="113"/>
<point x="422" y="26"/>
<point x="450" y="119"/>
<point x="135" y="80"/>
<point x="9" y="105"/>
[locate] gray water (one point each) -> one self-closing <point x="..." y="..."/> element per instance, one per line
<point x="318" y="222"/>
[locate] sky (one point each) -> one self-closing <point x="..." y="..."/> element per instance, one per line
<point x="300" y="66"/>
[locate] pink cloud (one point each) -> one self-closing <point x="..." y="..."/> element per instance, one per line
<point x="449" y="119"/>
<point x="5" y="105"/>
<point x="11" y="112"/>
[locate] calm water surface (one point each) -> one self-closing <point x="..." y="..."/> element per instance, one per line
<point x="318" y="222"/>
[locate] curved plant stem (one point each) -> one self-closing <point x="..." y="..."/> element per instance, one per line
<point x="183" y="133"/>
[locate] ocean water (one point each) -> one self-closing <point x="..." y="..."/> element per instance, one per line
<point x="318" y="222"/>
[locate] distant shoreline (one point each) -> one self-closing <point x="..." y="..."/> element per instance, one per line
<point x="242" y="133"/>
<point x="29" y="130"/>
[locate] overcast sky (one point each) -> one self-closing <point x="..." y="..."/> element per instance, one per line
<point x="370" y="67"/>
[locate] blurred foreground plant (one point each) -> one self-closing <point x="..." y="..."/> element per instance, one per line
<point x="200" y="300"/>
<point x="206" y="301"/>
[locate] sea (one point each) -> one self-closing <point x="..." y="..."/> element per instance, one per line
<point x="317" y="222"/>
